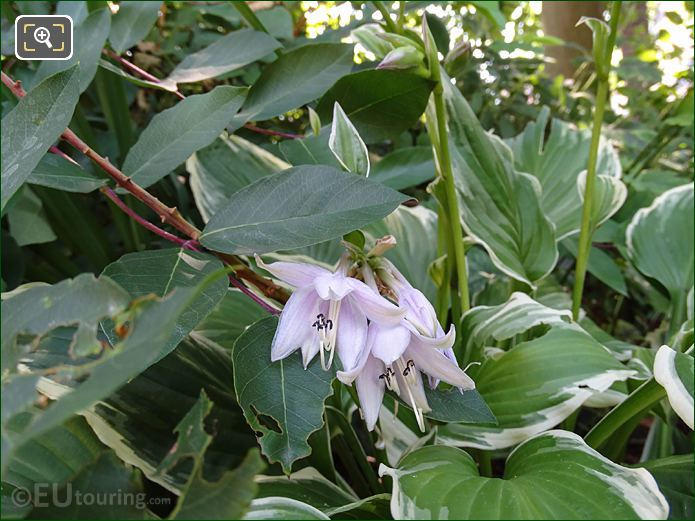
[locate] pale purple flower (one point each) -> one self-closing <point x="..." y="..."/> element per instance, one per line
<point x="327" y="312"/>
<point x="397" y="353"/>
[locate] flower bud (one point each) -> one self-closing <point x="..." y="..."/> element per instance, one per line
<point x="382" y="245"/>
<point x="457" y="58"/>
<point x="405" y="58"/>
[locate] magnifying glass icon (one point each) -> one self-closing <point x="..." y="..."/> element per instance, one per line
<point x="43" y="35"/>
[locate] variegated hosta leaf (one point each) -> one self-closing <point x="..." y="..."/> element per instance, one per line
<point x="346" y="144"/>
<point x="660" y="240"/>
<point x="535" y="385"/>
<point x="674" y="371"/>
<point x="485" y="324"/>
<point x="500" y="207"/>
<point x="558" y="163"/>
<point x="281" y="508"/>
<point x="554" y="475"/>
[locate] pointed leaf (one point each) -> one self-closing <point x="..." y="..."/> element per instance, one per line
<point x="224" y="167"/>
<point x="559" y="163"/>
<point x="158" y="272"/>
<point x="347" y="145"/>
<point x="545" y="380"/>
<point x="33" y="125"/>
<point x="296" y="78"/>
<point x="281" y="400"/>
<point x="380" y="103"/>
<point x="500" y="207"/>
<point x="131" y="23"/>
<point x="228" y="53"/>
<point x="298" y="207"/>
<point x="89" y="39"/>
<point x="175" y="133"/>
<point x="660" y="239"/>
<point x="56" y="172"/>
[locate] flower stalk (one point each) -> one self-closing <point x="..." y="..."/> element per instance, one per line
<point x="446" y="172"/>
<point x="587" y="227"/>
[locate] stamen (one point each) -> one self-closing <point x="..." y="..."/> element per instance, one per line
<point x="327" y="329"/>
<point x="409" y="375"/>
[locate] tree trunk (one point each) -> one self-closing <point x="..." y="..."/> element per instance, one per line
<point x="560" y="19"/>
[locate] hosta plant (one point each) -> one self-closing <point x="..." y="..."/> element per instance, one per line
<point x="256" y="265"/>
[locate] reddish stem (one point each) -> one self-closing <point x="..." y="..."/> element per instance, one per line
<point x="167" y="214"/>
<point x="149" y="77"/>
<point x="246" y="291"/>
<point x="189" y="244"/>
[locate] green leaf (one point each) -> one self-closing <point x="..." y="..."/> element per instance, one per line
<point x="56" y="172"/>
<point x="347" y="145"/>
<point x="228" y="53"/>
<point x="488" y="325"/>
<point x="277" y="21"/>
<point x="315" y="121"/>
<point x="601" y="265"/>
<point x="227" y="498"/>
<point x="368" y="35"/>
<point x="134" y="80"/>
<point x="310" y="150"/>
<point x="559" y="163"/>
<point x="281" y="400"/>
<point x="660" y="239"/>
<point x="500" y="207"/>
<point x="405" y="167"/>
<point x="415" y="230"/>
<point x="545" y="380"/>
<point x="674" y="475"/>
<point x="307" y="486"/>
<point x="224" y="167"/>
<point x="296" y="78"/>
<point x="138" y="424"/>
<point x="674" y="372"/>
<point x="554" y="475"/>
<point x="27" y="220"/>
<point x="140" y="349"/>
<point x="175" y="133"/>
<point x="301" y="206"/>
<point x="452" y="405"/>
<point x="33" y="125"/>
<point x="89" y="39"/>
<point x="380" y="103"/>
<point x="159" y="272"/>
<point x="600" y="31"/>
<point x="84" y="300"/>
<point x="282" y="508"/>
<point x="131" y="23"/>
<point x="492" y="11"/>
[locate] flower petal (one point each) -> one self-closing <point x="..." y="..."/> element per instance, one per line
<point x="376" y="307"/>
<point x="370" y="389"/>
<point x="417" y="390"/>
<point x="437" y="365"/>
<point x="387" y="343"/>
<point x="351" y="336"/>
<point x="441" y="342"/>
<point x="332" y="286"/>
<point x="294" y="329"/>
<point x="297" y="274"/>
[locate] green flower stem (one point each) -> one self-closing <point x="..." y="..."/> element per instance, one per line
<point x="587" y="227"/>
<point x="444" y="288"/>
<point x="454" y="217"/>
<point x="636" y="405"/>
<point x="390" y="24"/>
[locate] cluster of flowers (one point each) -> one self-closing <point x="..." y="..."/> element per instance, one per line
<point x="381" y="345"/>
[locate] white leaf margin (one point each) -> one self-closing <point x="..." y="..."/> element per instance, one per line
<point x="680" y="398"/>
